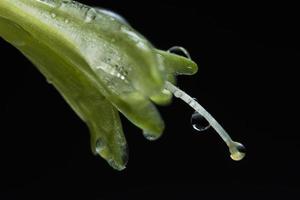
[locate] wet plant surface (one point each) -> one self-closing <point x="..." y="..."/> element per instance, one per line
<point x="247" y="61"/>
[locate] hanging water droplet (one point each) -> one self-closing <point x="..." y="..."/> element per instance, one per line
<point x="116" y="165"/>
<point x="237" y="151"/>
<point x="150" y="136"/>
<point x="198" y="122"/>
<point x="100" y="145"/>
<point x="125" y="153"/>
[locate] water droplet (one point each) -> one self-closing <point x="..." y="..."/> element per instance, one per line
<point x="150" y="136"/>
<point x="198" y="122"/>
<point x="90" y="15"/>
<point x="124" y="28"/>
<point x="180" y="51"/>
<point x="49" y="80"/>
<point x="100" y="145"/>
<point x="115" y="165"/>
<point x="237" y="151"/>
<point x="177" y="94"/>
<point x="192" y="102"/>
<point x="114" y="16"/>
<point x="51" y="3"/>
<point x="103" y="151"/>
<point x="125" y="153"/>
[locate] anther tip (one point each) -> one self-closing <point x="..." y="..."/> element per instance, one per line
<point x="237" y="151"/>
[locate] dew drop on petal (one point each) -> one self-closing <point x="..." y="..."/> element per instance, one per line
<point x="100" y="146"/>
<point x="180" y="51"/>
<point x="150" y="136"/>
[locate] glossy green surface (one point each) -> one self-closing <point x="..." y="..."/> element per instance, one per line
<point x="99" y="64"/>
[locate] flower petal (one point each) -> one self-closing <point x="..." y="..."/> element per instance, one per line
<point x="177" y="64"/>
<point x="79" y="91"/>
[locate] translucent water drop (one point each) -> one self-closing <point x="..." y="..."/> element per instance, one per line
<point x="180" y="51"/>
<point x="198" y="122"/>
<point x="51" y="3"/>
<point x="50" y="81"/>
<point x="150" y="136"/>
<point x="90" y="15"/>
<point x="115" y="165"/>
<point x="237" y="151"/>
<point x="114" y="16"/>
<point x="177" y="94"/>
<point x="125" y="153"/>
<point x="100" y="145"/>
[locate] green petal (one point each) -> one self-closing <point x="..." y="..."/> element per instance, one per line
<point x="176" y="64"/>
<point x="107" y="138"/>
<point x="78" y="90"/>
<point x="97" y="64"/>
<point x="88" y="47"/>
<point x="163" y="98"/>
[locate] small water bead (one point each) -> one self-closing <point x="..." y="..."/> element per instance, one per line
<point x="51" y="3"/>
<point x="53" y="15"/>
<point x="50" y="81"/>
<point x="125" y="153"/>
<point x="100" y="146"/>
<point x="115" y="165"/>
<point x="198" y="122"/>
<point x="150" y="136"/>
<point x="237" y="151"/>
<point x="180" y="51"/>
<point x="113" y="16"/>
<point x="177" y="94"/>
<point x="192" y="102"/>
<point x="91" y="15"/>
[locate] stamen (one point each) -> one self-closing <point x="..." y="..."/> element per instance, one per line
<point x="236" y="149"/>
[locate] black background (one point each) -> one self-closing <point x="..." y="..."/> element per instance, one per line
<point x="248" y="56"/>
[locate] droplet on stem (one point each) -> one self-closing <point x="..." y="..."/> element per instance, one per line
<point x="198" y="122"/>
<point x="236" y="149"/>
